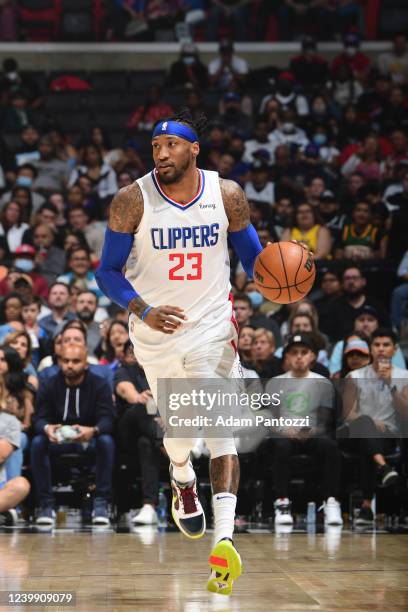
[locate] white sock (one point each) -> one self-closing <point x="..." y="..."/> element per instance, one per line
<point x="184" y="474"/>
<point x="224" y="515"/>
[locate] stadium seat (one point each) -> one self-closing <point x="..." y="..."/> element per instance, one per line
<point x="61" y="101"/>
<point x="141" y="81"/>
<point x="109" y="81"/>
<point x="393" y="17"/>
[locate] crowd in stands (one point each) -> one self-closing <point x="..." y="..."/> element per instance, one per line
<point x="200" y="20"/>
<point x="321" y="150"/>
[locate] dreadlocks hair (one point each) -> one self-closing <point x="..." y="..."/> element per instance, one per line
<point x="199" y="125"/>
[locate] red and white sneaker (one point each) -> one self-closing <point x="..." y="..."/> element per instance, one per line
<point x="186" y="509"/>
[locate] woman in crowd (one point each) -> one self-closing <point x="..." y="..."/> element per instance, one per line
<point x="20" y="341"/>
<point x="12" y="226"/>
<point x="308" y="229"/>
<point x="356" y="354"/>
<point x="11" y="309"/>
<point x="113" y="346"/>
<point x="101" y="175"/>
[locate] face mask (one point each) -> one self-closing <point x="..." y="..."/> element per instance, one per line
<point x="288" y="128"/>
<point x="351" y="51"/>
<point x="24" y="181"/>
<point x="12" y="76"/>
<point x="188" y="60"/>
<point x="25" y="265"/>
<point x="256" y="299"/>
<point x="285" y="90"/>
<point x="320" y="139"/>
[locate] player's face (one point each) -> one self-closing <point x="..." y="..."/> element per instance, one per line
<point x="173" y="156"/>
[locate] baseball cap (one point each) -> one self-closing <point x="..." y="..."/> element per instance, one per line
<point x="25" y="250"/>
<point x="356" y="344"/>
<point x="299" y="339"/>
<point x="367" y="310"/>
<point x="232" y="96"/>
<point x="327" y="196"/>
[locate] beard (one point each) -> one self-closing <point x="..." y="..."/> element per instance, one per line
<point x="176" y="175"/>
<point x="86" y="316"/>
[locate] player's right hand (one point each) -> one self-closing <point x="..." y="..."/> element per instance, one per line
<point x="166" y="319"/>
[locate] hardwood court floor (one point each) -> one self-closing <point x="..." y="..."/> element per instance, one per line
<point x="146" y="570"/>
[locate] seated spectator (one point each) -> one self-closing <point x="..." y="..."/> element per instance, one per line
<point x="18" y="398"/>
<point x="360" y="240"/>
<point x="59" y="299"/>
<point x="245" y="316"/>
<point x="259" y="188"/>
<point x="12" y="226"/>
<point x="26" y="175"/>
<point x="356" y="355"/>
<point x="146" y="115"/>
<point x="245" y="341"/>
<point x="396" y="112"/>
<point x="93" y="232"/>
<point x="317" y="402"/>
<point x="64" y="150"/>
<point x="20" y="341"/>
<point x="113" y="347"/>
<point x="399" y="298"/>
<point x="303" y="323"/>
<point x="366" y="161"/>
<point x="130" y="160"/>
<point x="345" y="88"/>
<point x="233" y="118"/>
<point x="15" y="490"/>
<point x="50" y="360"/>
<point x="100" y="138"/>
<point x="394" y="64"/>
<point x="38" y="336"/>
<point x="308" y="230"/>
<point x="101" y="175"/>
<point x="330" y="286"/>
<point x="10" y="314"/>
<point x="259" y="142"/>
<point x="13" y="80"/>
<point x="52" y="172"/>
<point x="17" y="114"/>
<point x="24" y="262"/>
<point x="80" y="269"/>
<point x="288" y="132"/>
<point x="49" y="259"/>
<point x="227" y="66"/>
<point x="138" y="430"/>
<point x="329" y="211"/>
<point x="27" y="151"/>
<point x="352" y="57"/>
<point x="86" y="307"/>
<point x="373" y="401"/>
<point x="287" y="96"/>
<point x="365" y="324"/>
<point x="76" y="397"/>
<point x="264" y="361"/>
<point x="309" y="68"/>
<point x="187" y="69"/>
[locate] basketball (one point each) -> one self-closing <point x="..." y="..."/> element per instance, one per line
<point x="284" y="272"/>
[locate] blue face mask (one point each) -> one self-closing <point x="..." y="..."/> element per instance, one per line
<point x="256" y="299"/>
<point x="25" y="265"/>
<point x="320" y="139"/>
<point x="24" y="181"/>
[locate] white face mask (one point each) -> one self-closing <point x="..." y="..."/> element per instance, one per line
<point x="288" y="128"/>
<point x="12" y="76"/>
<point x="25" y="265"/>
<point x="351" y="51"/>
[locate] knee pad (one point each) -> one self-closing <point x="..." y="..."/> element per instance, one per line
<point x="219" y="447"/>
<point x="178" y="449"/>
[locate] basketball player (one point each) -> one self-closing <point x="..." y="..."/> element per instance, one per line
<point x="170" y="229"/>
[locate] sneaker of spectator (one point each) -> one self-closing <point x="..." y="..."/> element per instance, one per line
<point x="100" y="514"/>
<point x="283" y="512"/>
<point x="332" y="512"/>
<point x="146" y="516"/>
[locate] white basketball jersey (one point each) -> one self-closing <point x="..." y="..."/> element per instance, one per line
<point x="180" y="254"/>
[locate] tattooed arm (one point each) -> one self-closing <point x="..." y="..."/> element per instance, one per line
<point x="125" y="215"/>
<point x="242" y="233"/>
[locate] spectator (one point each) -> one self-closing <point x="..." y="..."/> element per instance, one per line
<point x="59" y="299"/>
<point x="14" y="491"/>
<point x="79" y="221"/>
<point x="356" y="355"/>
<point x="38" y="335"/>
<point x="18" y="400"/>
<point x="12" y="81"/>
<point x="131" y="160"/>
<point x="49" y="259"/>
<point x="233" y="118"/>
<point x="329" y="212"/>
<point x="366" y="161"/>
<point x="394" y="64"/>
<point x="24" y="261"/>
<point x="309" y="231"/>
<point x="12" y="226"/>
<point x="259" y="143"/>
<point x="113" y="347"/>
<point x="310" y="69"/>
<point x="345" y="89"/>
<point x="101" y="175"/>
<point x="373" y="400"/>
<point x="138" y="430"/>
<point x="52" y="172"/>
<point x="317" y="402"/>
<point x="64" y="150"/>
<point x="245" y="316"/>
<point x="17" y="114"/>
<point x="83" y="400"/>
<point x="187" y="69"/>
<point x="26" y="175"/>
<point x="288" y="132"/>
<point x="234" y="12"/>
<point x="86" y="307"/>
<point x="360" y="240"/>
<point x="399" y="298"/>
<point x="304" y="323"/>
<point x="226" y="67"/>
<point x="259" y="188"/>
<point x="282" y="215"/>
<point x="365" y="324"/>
<point x="245" y="342"/>
<point x="264" y="361"/>
<point x="352" y="57"/>
<point x="100" y="138"/>
<point x="27" y="151"/>
<point x="10" y="314"/>
<point x="146" y="115"/>
<point x="20" y="341"/>
<point x="286" y="95"/>
<point x="330" y="286"/>
<point x="79" y="269"/>
<point x="344" y="309"/>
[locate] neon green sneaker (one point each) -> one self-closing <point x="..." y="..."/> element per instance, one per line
<point x="226" y="566"/>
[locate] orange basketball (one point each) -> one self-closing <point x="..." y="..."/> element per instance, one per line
<point x="284" y="272"/>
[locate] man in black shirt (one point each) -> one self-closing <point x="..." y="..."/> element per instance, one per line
<point x="78" y="398"/>
<point x="138" y="429"/>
